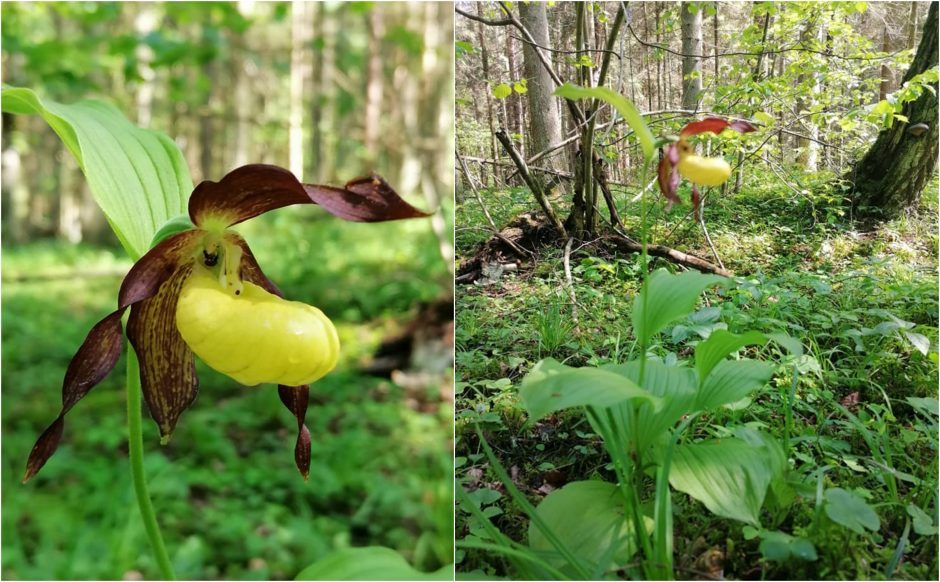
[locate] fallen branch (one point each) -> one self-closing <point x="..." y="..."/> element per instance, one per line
<point x="670" y="254"/>
<point x="533" y="184"/>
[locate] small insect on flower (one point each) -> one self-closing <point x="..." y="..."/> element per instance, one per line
<point x="200" y="291"/>
<point x="679" y="158"/>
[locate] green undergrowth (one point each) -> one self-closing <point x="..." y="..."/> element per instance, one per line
<point x="861" y="299"/>
<point x="229" y="499"/>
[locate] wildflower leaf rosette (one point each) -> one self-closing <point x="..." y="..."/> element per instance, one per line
<point x="201" y="291"/>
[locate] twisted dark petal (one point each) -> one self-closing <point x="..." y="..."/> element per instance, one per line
<point x="101" y="349"/>
<point x="367" y="199"/>
<point x="149" y="273"/>
<point x="255" y="189"/>
<point x="295" y="398"/>
<point x="167" y="371"/>
<point x="668" y="174"/>
<point x="250" y="270"/>
<point x="94" y="360"/>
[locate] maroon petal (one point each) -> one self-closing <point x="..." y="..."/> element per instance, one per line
<point x="101" y="349"/>
<point x="250" y="270"/>
<point x="714" y="125"/>
<point x="295" y="398"/>
<point x="159" y="264"/>
<point x="668" y="175"/>
<point x="167" y="371"/>
<point x="368" y="199"/>
<point x="91" y="364"/>
<point x="255" y="189"/>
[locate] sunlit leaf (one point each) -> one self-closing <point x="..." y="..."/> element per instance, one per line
<point x="720" y="344"/>
<point x="138" y="177"/>
<point x="729" y="476"/>
<point x="624" y="106"/>
<point x="502" y="91"/>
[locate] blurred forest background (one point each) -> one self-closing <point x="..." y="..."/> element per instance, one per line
<point x="332" y="91"/>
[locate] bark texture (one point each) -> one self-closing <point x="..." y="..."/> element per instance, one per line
<point x="894" y="172"/>
<point x="544" y="116"/>
<point x="692" y="48"/>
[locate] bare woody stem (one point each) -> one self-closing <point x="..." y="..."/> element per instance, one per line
<point x="135" y="439"/>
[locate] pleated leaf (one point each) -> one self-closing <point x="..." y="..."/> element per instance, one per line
<point x="732" y="380"/>
<point x="668" y="297"/>
<point x="729" y="476"/>
<point x="138" y="177"/>
<point x="552" y="386"/>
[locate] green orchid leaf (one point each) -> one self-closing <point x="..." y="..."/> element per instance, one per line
<point x="173" y="226"/>
<point x="720" y="344"/>
<point x="732" y="380"/>
<point x="668" y="297"/>
<point x="676" y="387"/>
<point x="138" y="177"/>
<point x="369" y="563"/>
<point x="588" y="517"/>
<point x="850" y="510"/>
<point x="624" y="106"/>
<point x="552" y="386"/>
<point x="729" y="476"/>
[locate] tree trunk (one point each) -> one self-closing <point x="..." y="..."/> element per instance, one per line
<point x="691" y="45"/>
<point x="300" y="25"/>
<point x="808" y="147"/>
<point x="544" y="116"/>
<point x="894" y="172"/>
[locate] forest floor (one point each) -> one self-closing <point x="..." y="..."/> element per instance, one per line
<point x="229" y="499"/>
<point x="860" y="298"/>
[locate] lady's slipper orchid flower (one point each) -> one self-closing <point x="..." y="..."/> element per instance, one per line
<point x="679" y="158"/>
<point x="201" y="291"/>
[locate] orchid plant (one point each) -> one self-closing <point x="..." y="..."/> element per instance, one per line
<point x="195" y="289"/>
<point x="646" y="411"/>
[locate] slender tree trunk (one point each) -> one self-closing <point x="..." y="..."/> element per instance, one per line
<point x="691" y="45"/>
<point x="300" y="25"/>
<point x="894" y="172"/>
<point x="544" y="115"/>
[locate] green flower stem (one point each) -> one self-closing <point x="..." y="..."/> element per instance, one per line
<point x="135" y="439"/>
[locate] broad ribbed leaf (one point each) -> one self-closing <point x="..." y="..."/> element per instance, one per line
<point x="624" y="106"/>
<point x="720" y="344"/>
<point x="729" y="476"/>
<point x="732" y="380"/>
<point x="138" y="177"/>
<point x="369" y="563"/>
<point x="668" y="297"/>
<point x="675" y="387"/>
<point x="588" y="517"/>
<point x="552" y="386"/>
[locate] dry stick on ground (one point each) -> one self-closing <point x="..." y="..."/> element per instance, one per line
<point x="673" y="255"/>
<point x="533" y="184"/>
<point x="708" y="239"/>
<point x="463" y="166"/>
<point x="574" y="298"/>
